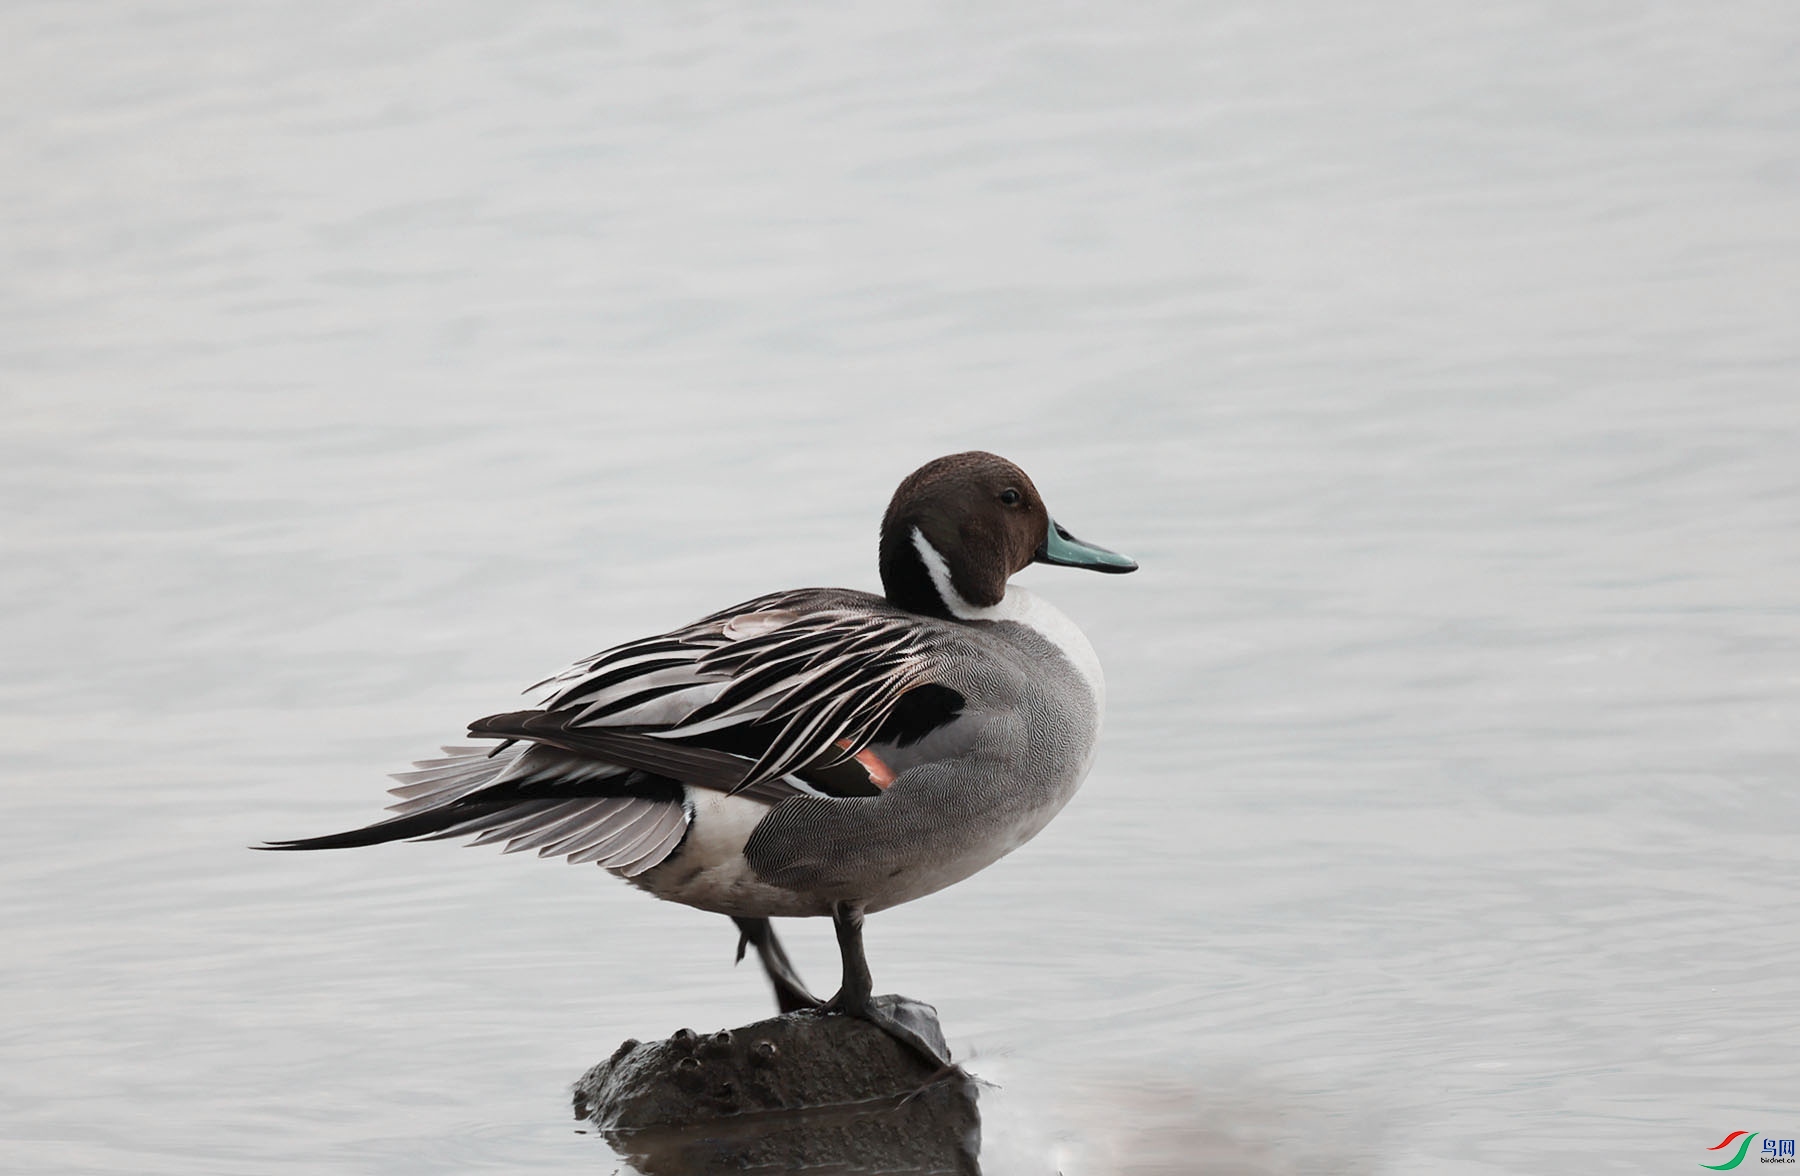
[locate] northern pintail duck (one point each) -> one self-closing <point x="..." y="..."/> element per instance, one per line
<point x="819" y="751"/>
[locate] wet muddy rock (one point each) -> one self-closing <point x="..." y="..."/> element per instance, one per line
<point x="799" y="1090"/>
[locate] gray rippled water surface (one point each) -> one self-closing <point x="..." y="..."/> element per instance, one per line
<point x="361" y="364"/>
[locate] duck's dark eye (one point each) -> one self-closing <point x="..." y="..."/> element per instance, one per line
<point x="1009" y="496"/>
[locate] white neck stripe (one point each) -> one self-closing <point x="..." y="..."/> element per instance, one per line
<point x="1023" y="607"/>
<point x="938" y="568"/>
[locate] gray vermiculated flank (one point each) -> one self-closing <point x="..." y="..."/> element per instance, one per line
<point x="1025" y="731"/>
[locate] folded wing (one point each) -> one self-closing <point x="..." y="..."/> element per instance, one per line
<point x="772" y="699"/>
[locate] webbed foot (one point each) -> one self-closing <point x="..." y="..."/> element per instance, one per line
<point x="912" y="1023"/>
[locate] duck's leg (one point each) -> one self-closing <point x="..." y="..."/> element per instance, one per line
<point x="912" y="1023"/>
<point x="856" y="992"/>
<point x="790" y="991"/>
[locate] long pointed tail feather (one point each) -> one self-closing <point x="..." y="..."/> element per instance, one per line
<point x="538" y="797"/>
<point x="393" y="829"/>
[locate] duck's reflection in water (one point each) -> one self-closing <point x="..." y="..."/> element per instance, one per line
<point x="935" y="1129"/>
<point x="1099" y="1129"/>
